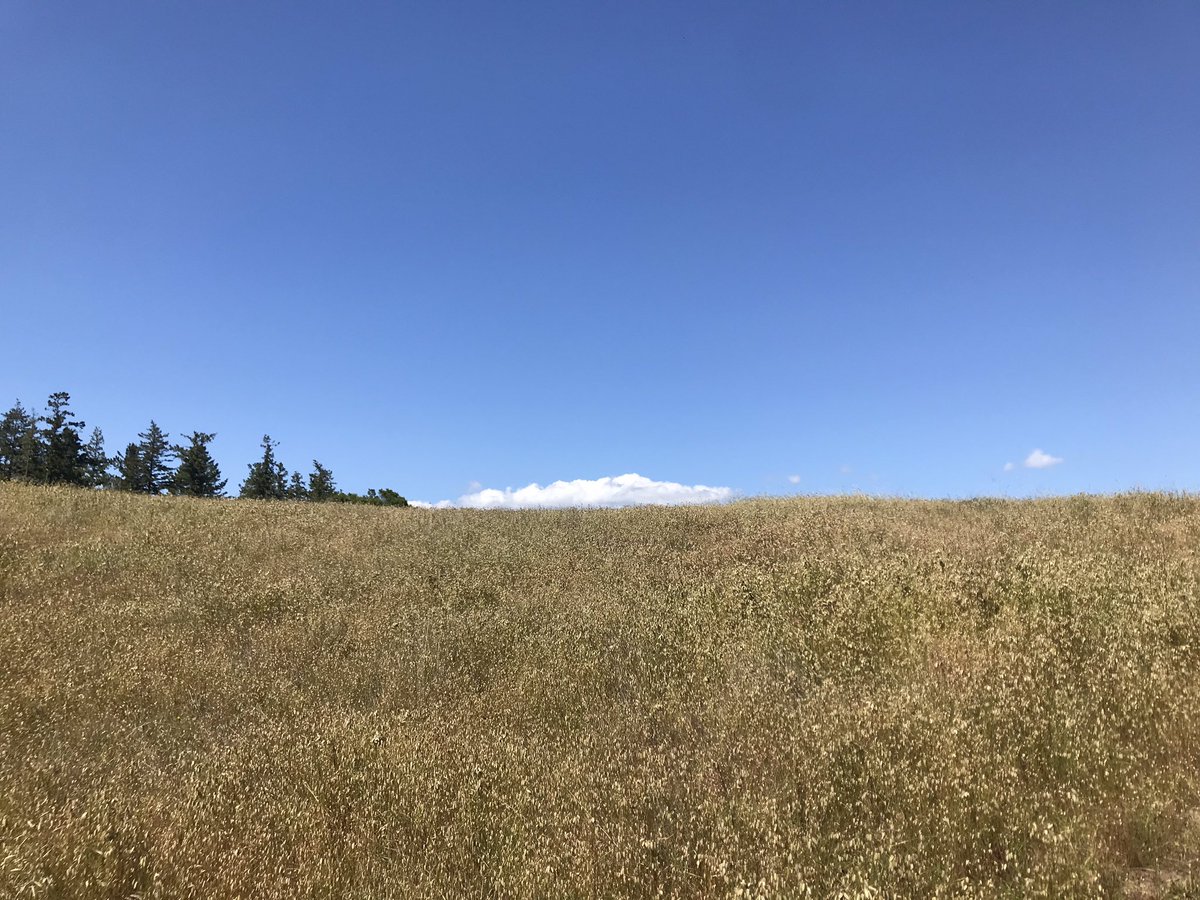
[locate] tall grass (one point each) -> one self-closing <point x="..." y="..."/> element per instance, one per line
<point x="800" y="698"/>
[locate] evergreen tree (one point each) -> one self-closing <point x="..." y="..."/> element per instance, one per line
<point x="321" y="486"/>
<point x="16" y="425"/>
<point x="96" y="464"/>
<point x="296" y="488"/>
<point x="198" y="474"/>
<point x="131" y="471"/>
<point x="268" y="478"/>
<point x="64" y="461"/>
<point x="31" y="456"/>
<point x="155" y="451"/>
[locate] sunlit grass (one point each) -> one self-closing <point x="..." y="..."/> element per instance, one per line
<point x="811" y="697"/>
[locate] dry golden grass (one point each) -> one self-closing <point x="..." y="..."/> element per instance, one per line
<point x="814" y="697"/>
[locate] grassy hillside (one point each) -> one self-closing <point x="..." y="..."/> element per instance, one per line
<point x="779" y="698"/>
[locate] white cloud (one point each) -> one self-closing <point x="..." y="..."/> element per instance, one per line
<point x="1041" y="460"/>
<point x="611" y="491"/>
<point x="423" y="504"/>
<point x="845" y="470"/>
<point x="1008" y="467"/>
<point x="794" y="479"/>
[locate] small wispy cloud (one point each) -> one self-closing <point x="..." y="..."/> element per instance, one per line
<point x="846" y="470"/>
<point x="1039" y="459"/>
<point x="1008" y="466"/>
<point x="611" y="491"/>
<point x="794" y="479"/>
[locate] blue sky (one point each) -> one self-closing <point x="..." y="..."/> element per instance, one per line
<point x="772" y="247"/>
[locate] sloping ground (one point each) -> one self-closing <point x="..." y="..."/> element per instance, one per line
<point x="795" y="698"/>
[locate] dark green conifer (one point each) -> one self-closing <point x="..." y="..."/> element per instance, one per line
<point x="15" y="429"/>
<point x="31" y="457"/>
<point x="96" y="464"/>
<point x="131" y="471"/>
<point x="268" y="479"/>
<point x="155" y="450"/>
<point x="297" y="490"/>
<point x="321" y="486"/>
<point x="64" y="461"/>
<point x="198" y="474"/>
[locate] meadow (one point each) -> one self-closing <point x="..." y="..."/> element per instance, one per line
<point x="810" y="697"/>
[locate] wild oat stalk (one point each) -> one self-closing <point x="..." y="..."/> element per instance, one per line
<point x="817" y="697"/>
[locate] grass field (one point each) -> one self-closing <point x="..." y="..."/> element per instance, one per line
<point x="781" y="698"/>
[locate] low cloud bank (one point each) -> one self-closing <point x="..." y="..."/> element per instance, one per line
<point x="611" y="491"/>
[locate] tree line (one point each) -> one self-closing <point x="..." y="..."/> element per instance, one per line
<point x="48" y="448"/>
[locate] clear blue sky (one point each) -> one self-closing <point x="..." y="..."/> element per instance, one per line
<point x="883" y="246"/>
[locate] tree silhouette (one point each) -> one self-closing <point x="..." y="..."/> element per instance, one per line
<point x="321" y="486"/>
<point x="96" y="463"/>
<point x="198" y="474"/>
<point x="131" y="471"/>
<point x="63" y="460"/>
<point x="16" y="427"/>
<point x="155" y="451"/>
<point x="268" y="479"/>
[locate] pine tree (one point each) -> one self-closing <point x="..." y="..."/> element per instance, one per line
<point x="96" y="464"/>
<point x="17" y="423"/>
<point x="31" y="456"/>
<point x="321" y="486"/>
<point x="198" y="474"/>
<point x="267" y="479"/>
<point x="131" y="471"/>
<point x="155" y="451"/>
<point x="64" y="461"/>
<point x="297" y="490"/>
